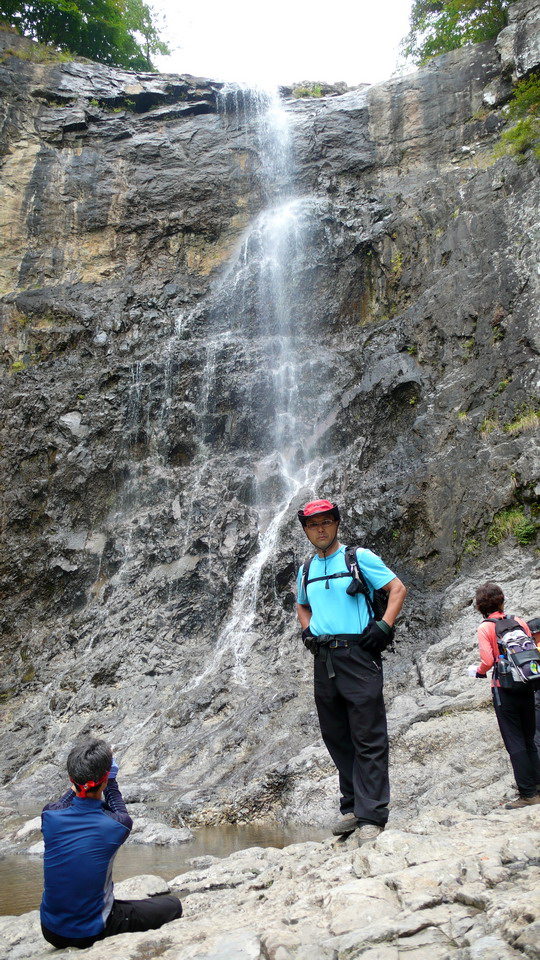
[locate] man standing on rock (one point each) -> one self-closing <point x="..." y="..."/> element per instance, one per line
<point x="82" y="832"/>
<point x="340" y="628"/>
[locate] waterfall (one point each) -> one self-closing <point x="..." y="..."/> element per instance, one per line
<point x="252" y="312"/>
<point x="257" y="388"/>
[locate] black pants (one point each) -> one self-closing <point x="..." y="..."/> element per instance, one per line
<point x="517" y="722"/>
<point x="126" y="916"/>
<point x="352" y="717"/>
<point x="537" y="706"/>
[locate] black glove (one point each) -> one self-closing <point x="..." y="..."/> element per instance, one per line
<point x="310" y="641"/>
<point x="481" y="676"/>
<point x="375" y="638"/>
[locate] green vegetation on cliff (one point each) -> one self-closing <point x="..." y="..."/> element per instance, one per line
<point x="512" y="522"/>
<point x="524" y="109"/>
<point x="437" y="26"/>
<point x="120" y="33"/>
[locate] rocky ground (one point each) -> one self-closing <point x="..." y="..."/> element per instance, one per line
<point x="448" y="885"/>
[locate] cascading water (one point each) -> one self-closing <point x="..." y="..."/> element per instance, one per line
<point x="252" y="391"/>
<point x="253" y="306"/>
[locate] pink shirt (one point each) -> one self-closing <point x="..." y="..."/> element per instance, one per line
<point x="487" y="641"/>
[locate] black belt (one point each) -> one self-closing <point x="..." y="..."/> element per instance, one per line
<point x="329" y="642"/>
<point x="338" y="639"/>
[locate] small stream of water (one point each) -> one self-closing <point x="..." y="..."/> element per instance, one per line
<point x="21" y="875"/>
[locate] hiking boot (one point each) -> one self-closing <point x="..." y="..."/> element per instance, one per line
<point x="522" y="802"/>
<point x="346" y="824"/>
<point x="367" y="832"/>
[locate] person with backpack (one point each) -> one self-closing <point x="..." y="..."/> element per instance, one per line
<point x="506" y="646"/>
<point x="346" y="627"/>
<point x="534" y="627"/>
<point x="83" y="831"/>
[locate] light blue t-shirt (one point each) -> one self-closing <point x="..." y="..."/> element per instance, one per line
<point x="333" y="610"/>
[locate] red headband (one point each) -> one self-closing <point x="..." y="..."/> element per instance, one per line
<point x="82" y="788"/>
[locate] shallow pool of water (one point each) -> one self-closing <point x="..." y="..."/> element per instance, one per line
<point x="21" y="875"/>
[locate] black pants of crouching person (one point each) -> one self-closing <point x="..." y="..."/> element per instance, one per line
<point x="352" y="718"/>
<point x="515" y="711"/>
<point x="126" y="916"/>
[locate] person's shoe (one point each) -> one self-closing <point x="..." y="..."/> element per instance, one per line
<point x="367" y="832"/>
<point x="522" y="802"/>
<point x="346" y="824"/>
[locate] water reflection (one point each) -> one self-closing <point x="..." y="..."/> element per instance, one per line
<point x="21" y="876"/>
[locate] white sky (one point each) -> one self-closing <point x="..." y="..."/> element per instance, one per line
<point x="284" y="42"/>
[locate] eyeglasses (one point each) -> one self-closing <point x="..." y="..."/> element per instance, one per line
<point x="321" y="523"/>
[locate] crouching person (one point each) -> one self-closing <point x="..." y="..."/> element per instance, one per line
<point x="82" y="832"/>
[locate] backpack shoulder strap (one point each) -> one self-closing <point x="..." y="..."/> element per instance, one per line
<point x="351" y="559"/>
<point x="305" y="572"/>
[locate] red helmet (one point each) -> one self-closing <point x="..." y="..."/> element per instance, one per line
<point x="318" y="506"/>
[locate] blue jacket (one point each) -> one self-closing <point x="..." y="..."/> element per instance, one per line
<point x="81" y="837"/>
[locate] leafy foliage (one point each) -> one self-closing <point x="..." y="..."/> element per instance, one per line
<point x="527" y="418"/>
<point x="526" y="98"/>
<point x="524" y="107"/>
<point x="103" y="30"/>
<point x="307" y="90"/>
<point x="512" y="522"/>
<point x="437" y="26"/>
<point x="140" y="19"/>
<point x="523" y="136"/>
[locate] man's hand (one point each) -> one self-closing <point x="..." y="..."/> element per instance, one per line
<point x="376" y="638"/>
<point x="310" y="641"/>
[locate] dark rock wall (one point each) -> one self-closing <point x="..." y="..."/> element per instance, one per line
<point x="145" y="426"/>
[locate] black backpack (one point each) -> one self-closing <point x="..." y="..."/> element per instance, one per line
<point x="518" y="665"/>
<point x="376" y="605"/>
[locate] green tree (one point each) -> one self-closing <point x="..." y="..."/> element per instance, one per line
<point x="437" y="26"/>
<point x="140" y="19"/>
<point x="103" y="30"/>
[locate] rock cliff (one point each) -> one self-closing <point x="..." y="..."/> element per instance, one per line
<point x="213" y="306"/>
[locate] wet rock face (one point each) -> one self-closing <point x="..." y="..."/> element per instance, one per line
<point x="208" y="315"/>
